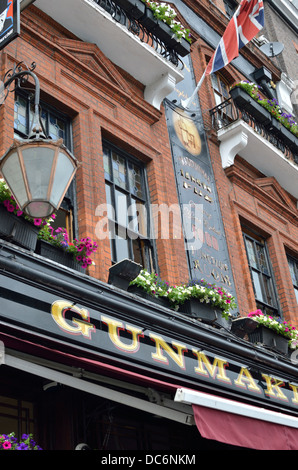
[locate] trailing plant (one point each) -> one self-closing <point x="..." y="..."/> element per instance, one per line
<point x="205" y="292"/>
<point x="151" y="284"/>
<point x="163" y="11"/>
<point x="10" y="442"/>
<point x="277" y="324"/>
<point x="286" y="119"/>
<point x="81" y="250"/>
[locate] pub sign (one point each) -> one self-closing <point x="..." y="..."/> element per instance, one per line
<point x="9" y="21"/>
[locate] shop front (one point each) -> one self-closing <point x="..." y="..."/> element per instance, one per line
<point x="84" y="363"/>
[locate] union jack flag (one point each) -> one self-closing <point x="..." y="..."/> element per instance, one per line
<point x="246" y="22"/>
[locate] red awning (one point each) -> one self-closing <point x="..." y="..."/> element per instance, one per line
<point x="244" y="431"/>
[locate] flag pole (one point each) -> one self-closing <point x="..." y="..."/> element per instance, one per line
<point x="186" y="103"/>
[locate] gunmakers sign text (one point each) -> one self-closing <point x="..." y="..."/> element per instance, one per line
<point x="159" y="351"/>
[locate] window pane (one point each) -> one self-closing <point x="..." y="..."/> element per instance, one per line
<point x="251" y="253"/>
<point x="137" y="252"/>
<point x="20" y="115"/>
<point x="224" y="89"/>
<point x="107" y="165"/>
<point x="119" y="170"/>
<point x="56" y="128"/>
<point x="111" y="214"/>
<point x="135" y="180"/>
<point x="257" y="286"/>
<point x="121" y="208"/>
<point x="214" y="81"/>
<point x="296" y="293"/>
<point x="292" y="270"/>
<point x="122" y="249"/>
<point x="138" y="213"/>
<point x="263" y="266"/>
<point x="268" y="291"/>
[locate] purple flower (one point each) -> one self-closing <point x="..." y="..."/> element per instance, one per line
<point x="22" y="446"/>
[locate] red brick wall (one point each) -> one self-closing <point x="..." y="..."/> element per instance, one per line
<point x="102" y="101"/>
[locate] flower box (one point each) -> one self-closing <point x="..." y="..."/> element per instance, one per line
<point x="123" y="272"/>
<point x="163" y="32"/>
<point x="284" y="134"/>
<point x="205" y="312"/>
<point x="17" y="229"/>
<point x="163" y="301"/>
<point x="134" y="7"/>
<point x="246" y="103"/>
<point x="47" y="250"/>
<point x="266" y="336"/>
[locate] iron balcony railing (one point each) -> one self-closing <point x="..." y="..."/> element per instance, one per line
<point x="227" y="112"/>
<point x="133" y="25"/>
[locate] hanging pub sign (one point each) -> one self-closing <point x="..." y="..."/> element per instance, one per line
<point x="207" y="253"/>
<point x="9" y="21"/>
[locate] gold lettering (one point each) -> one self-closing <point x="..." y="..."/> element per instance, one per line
<point x="294" y="388"/>
<point x="273" y="387"/>
<point x="245" y="376"/>
<point x="217" y="367"/>
<point x="161" y="346"/>
<point x="58" y="311"/>
<point x="114" y="327"/>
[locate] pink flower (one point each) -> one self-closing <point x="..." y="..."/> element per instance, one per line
<point x="257" y="313"/>
<point x="10" y="207"/>
<point x="37" y="222"/>
<point x="6" y="445"/>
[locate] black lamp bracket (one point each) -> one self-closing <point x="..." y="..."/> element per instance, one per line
<point x="19" y="76"/>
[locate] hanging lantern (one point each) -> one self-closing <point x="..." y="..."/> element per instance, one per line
<point x="38" y="173"/>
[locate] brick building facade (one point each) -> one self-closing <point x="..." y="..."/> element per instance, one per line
<point x="121" y="128"/>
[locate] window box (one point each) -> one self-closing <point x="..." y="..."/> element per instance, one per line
<point x="265" y="336"/>
<point x="283" y="134"/>
<point x="123" y="272"/>
<point x="246" y="103"/>
<point x="17" y="229"/>
<point x="163" y="32"/>
<point x="205" y="313"/>
<point x="144" y="295"/>
<point x="135" y="7"/>
<point x="47" y="250"/>
<point x="262" y="116"/>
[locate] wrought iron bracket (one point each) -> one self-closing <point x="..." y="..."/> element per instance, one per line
<point x="19" y="77"/>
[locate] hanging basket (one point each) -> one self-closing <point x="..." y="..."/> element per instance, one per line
<point x="17" y="229"/>
<point x="205" y="313"/>
<point x="265" y="336"/>
<point x="47" y="250"/>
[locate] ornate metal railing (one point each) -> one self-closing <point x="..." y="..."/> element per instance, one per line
<point x="136" y="27"/>
<point x="227" y="112"/>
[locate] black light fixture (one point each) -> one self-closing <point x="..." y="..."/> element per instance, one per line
<point x="37" y="170"/>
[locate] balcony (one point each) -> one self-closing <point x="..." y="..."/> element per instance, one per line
<point x="125" y="40"/>
<point x="247" y="129"/>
